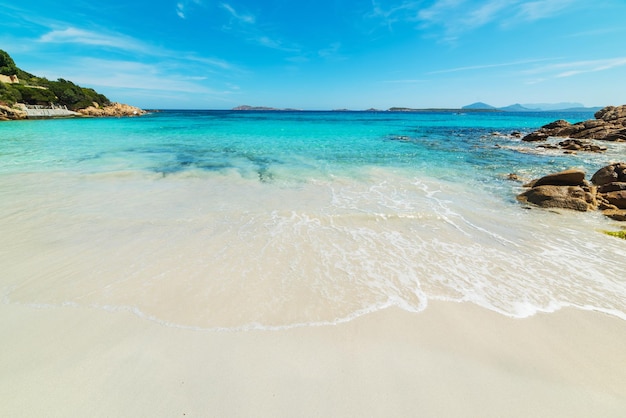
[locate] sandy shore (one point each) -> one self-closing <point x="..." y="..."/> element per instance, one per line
<point x="451" y="360"/>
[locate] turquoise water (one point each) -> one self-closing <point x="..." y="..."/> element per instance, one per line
<point x="273" y="219"/>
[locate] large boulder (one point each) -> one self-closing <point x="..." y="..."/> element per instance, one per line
<point x="571" y="177"/>
<point x="610" y="174"/>
<point x="616" y="198"/>
<point x="563" y="197"/>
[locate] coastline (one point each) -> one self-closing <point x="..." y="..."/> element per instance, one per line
<point x="21" y="112"/>
<point x="452" y="359"/>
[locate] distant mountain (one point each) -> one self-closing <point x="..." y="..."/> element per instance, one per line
<point x="553" y="106"/>
<point x="256" y="108"/>
<point x="246" y="107"/>
<point x="582" y="109"/>
<point x="534" y="107"/>
<point x="478" y="105"/>
<point x="518" y="108"/>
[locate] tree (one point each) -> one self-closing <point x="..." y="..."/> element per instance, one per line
<point x="7" y="65"/>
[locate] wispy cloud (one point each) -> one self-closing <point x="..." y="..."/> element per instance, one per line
<point x="331" y="52"/>
<point x="183" y="7"/>
<point x="132" y="75"/>
<point x="543" y="73"/>
<point x="542" y="9"/>
<point x="129" y="45"/>
<point x="240" y="17"/>
<point x="589" y="66"/>
<point x="85" y="37"/>
<point x="407" y="81"/>
<point x="486" y="66"/>
<point x="458" y="16"/>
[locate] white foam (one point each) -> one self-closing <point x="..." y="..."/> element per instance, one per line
<point x="221" y="253"/>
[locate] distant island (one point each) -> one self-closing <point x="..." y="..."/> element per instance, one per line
<point x="534" y="107"/>
<point x="474" y="107"/>
<point x="24" y="95"/>
<point x="256" y="108"/>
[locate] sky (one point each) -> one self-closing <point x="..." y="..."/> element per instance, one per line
<point x="327" y="54"/>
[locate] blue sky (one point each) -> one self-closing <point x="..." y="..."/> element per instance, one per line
<point x="357" y="54"/>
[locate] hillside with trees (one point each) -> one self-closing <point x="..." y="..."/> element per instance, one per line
<point x="32" y="90"/>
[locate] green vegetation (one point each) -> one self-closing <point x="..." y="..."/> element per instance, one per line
<point x="35" y="90"/>
<point x="7" y="65"/>
<point x="618" y="234"/>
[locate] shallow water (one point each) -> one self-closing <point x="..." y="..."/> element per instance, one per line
<point x="235" y="220"/>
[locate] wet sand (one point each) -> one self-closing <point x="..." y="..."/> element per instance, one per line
<point x="450" y="360"/>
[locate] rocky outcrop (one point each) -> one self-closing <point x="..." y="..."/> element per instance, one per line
<point x="11" y="113"/>
<point x="609" y="125"/>
<point x="566" y="190"/>
<point x="114" y="109"/>
<point x="569" y="190"/>
<point x="611" y="184"/>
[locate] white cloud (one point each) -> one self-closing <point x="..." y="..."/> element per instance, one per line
<point x="485" y="66"/>
<point x="85" y="37"/>
<point x="243" y="18"/>
<point x="182" y="7"/>
<point x="331" y="52"/>
<point x="542" y="9"/>
<point x="592" y="66"/>
<point x="460" y="16"/>
<point x="180" y="10"/>
<point x="409" y="81"/>
<point x="131" y="75"/>
<point x="570" y="69"/>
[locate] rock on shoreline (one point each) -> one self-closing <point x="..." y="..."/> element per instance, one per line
<point x="569" y="190"/>
<point x="11" y="113"/>
<point x="114" y="109"/>
<point x="609" y="125"/>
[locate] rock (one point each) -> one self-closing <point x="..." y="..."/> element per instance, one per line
<point x="572" y="177"/>
<point x="616" y="136"/>
<point x="578" y="145"/>
<point x="557" y="124"/>
<point x="608" y="125"/>
<point x="612" y="187"/>
<point x="535" y="136"/>
<point x="564" y="197"/>
<point x="569" y="190"/>
<point x="611" y="113"/>
<point x="114" y="109"/>
<point x="615" y="214"/>
<point x="597" y="148"/>
<point x="616" y="198"/>
<point x="610" y="174"/>
<point x="11" y="113"/>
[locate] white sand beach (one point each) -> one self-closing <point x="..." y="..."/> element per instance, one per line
<point x="450" y="360"/>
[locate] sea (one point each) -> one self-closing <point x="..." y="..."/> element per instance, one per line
<point x="237" y="220"/>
